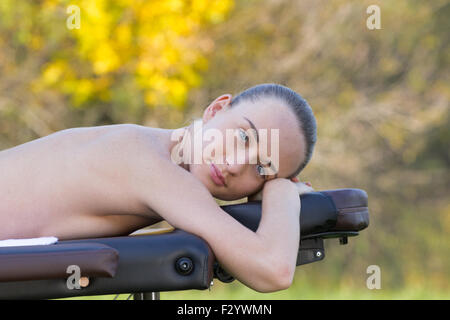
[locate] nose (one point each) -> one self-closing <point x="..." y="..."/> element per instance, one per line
<point x="234" y="168"/>
<point x="237" y="163"/>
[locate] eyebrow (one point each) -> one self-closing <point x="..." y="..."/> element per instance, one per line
<point x="254" y="128"/>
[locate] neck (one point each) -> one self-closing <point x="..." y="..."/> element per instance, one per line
<point x="173" y="141"/>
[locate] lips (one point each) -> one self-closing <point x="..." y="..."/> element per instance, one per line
<point x="217" y="176"/>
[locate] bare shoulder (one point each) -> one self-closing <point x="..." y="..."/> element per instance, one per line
<point x="134" y="158"/>
<point x="160" y="183"/>
<point x="122" y="143"/>
<point x="152" y="168"/>
<point x="120" y="155"/>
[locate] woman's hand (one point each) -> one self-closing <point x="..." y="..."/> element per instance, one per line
<point x="302" y="187"/>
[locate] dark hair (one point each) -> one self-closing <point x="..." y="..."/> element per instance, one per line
<point x="297" y="104"/>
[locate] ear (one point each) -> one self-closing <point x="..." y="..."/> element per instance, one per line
<point x="222" y="103"/>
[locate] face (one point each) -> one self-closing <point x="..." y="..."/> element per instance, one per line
<point x="237" y="160"/>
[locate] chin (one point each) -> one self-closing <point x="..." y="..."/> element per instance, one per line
<point x="226" y="195"/>
<point x="221" y="196"/>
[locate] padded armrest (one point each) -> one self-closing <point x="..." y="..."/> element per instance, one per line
<point x="51" y="261"/>
<point x="322" y="211"/>
<point x="352" y="209"/>
<point x="339" y="213"/>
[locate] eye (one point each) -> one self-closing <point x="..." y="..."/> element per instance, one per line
<point x="260" y="170"/>
<point x="243" y="135"/>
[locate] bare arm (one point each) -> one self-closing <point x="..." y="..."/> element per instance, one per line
<point x="263" y="260"/>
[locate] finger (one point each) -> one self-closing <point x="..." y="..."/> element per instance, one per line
<point x="304" y="189"/>
<point x="295" y="179"/>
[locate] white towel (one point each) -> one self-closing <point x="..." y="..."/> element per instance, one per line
<point x="28" y="242"/>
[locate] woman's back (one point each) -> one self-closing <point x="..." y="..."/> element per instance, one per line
<point x="64" y="177"/>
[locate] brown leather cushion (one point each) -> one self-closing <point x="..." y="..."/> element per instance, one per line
<point x="51" y="261"/>
<point x="352" y="207"/>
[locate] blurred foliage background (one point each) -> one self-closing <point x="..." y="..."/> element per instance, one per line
<point x="381" y="98"/>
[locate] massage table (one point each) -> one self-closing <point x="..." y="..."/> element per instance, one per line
<point x="145" y="264"/>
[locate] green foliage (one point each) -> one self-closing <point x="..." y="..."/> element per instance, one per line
<point x="126" y="57"/>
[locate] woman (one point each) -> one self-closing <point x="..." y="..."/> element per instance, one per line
<point x="112" y="180"/>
